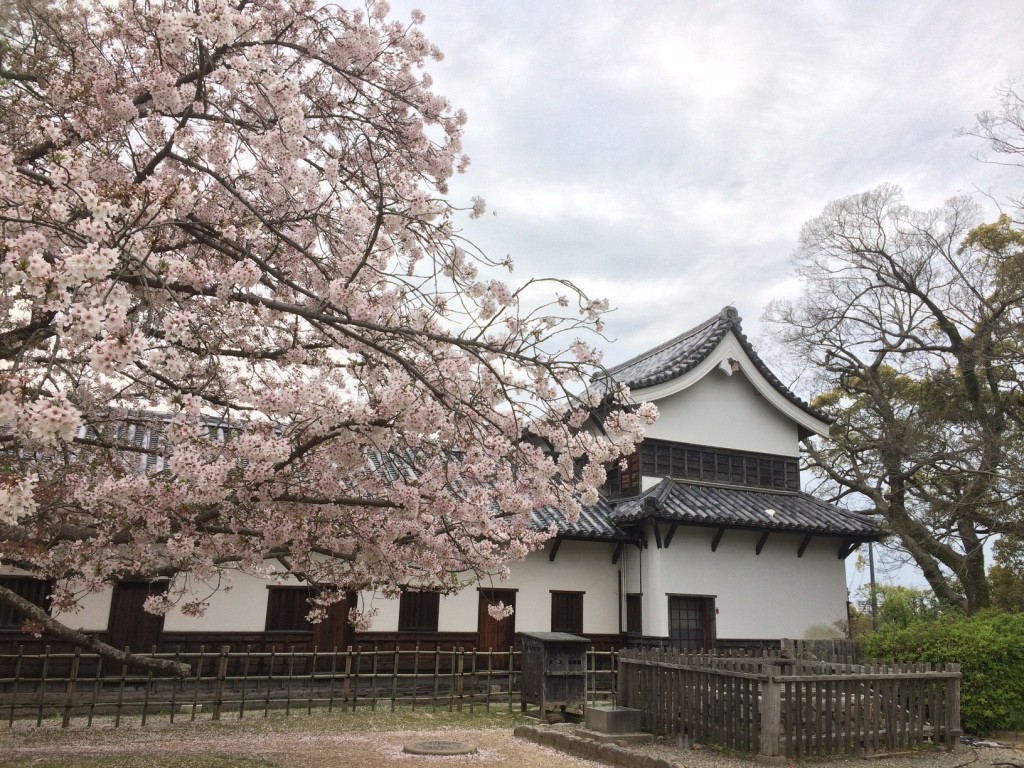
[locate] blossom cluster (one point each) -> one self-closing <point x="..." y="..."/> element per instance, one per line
<point x="239" y="324"/>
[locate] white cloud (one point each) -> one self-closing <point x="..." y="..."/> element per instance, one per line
<point x="665" y="154"/>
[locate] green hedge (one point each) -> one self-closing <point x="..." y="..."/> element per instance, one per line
<point x="990" y="650"/>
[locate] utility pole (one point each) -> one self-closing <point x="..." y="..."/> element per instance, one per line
<point x="874" y="593"/>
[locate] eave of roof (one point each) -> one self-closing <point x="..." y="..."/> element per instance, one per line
<point x="594" y="523"/>
<point x="731" y="507"/>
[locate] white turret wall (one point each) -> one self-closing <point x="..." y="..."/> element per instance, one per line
<point x="771" y="595"/>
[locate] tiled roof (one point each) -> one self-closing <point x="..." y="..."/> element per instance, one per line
<point x="689" y="349"/>
<point x="743" y="508"/>
<point x="594" y="523"/>
<point x="677" y="356"/>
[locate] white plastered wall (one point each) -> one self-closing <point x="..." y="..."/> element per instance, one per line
<point x="94" y="613"/>
<point x="579" y="566"/>
<point x="243" y="608"/>
<point x="771" y="595"/>
<point x="726" y="412"/>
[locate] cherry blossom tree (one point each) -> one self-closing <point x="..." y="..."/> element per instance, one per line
<point x="239" y="330"/>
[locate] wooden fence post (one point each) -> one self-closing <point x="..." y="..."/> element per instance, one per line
<point x="395" y="664"/>
<point x="69" y="694"/>
<point x="347" y="685"/>
<point x="460" y="679"/>
<point x="771" y="712"/>
<point x="953" y="710"/>
<point x="512" y="679"/>
<point x="43" y="675"/>
<point x="222" y="673"/>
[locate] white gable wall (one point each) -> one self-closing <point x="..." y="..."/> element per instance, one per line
<point x="726" y="412"/>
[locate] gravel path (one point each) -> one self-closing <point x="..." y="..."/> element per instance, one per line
<point x="963" y="756"/>
<point x="292" y="750"/>
<point x="496" y="747"/>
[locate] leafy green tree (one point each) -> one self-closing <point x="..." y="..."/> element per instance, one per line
<point x="988" y="647"/>
<point x="1006" y="576"/>
<point x="900" y="606"/>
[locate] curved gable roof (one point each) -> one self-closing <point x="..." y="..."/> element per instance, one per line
<point x="689" y="349"/>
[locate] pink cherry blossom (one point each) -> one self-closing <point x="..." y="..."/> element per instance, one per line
<point x="238" y="326"/>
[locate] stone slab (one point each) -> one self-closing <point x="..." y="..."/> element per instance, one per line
<point x="443" y="747"/>
<point x="637" y="737"/>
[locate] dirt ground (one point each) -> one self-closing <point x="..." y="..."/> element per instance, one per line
<point x="320" y="743"/>
<point x="299" y="750"/>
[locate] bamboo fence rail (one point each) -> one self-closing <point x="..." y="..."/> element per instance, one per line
<point x="82" y="686"/>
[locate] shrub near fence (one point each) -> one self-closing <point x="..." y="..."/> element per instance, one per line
<point x="772" y="705"/>
<point x="73" y="684"/>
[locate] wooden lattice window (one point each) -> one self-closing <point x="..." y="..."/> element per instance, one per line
<point x="287" y="608"/>
<point x="567" y="612"/>
<point x="623" y="478"/>
<point x="418" y="611"/>
<point x="691" y="622"/>
<point x="36" y="591"/>
<point x="661" y="458"/>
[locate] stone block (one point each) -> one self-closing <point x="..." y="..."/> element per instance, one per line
<point x="612" y="719"/>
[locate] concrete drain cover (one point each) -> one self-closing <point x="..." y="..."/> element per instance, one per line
<point x="439" y="747"/>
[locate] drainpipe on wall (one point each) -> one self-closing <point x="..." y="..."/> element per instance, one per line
<point x="620" y="599"/>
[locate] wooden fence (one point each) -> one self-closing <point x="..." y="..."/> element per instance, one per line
<point x="72" y="685"/>
<point x="772" y="705"/>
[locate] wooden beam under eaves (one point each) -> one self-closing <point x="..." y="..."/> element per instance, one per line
<point x="761" y="541"/>
<point x="554" y="550"/>
<point x="617" y="553"/>
<point x="717" y="540"/>
<point x="803" y="545"/>
<point x="671" y="533"/>
<point x="657" y="535"/>
<point x="847" y="549"/>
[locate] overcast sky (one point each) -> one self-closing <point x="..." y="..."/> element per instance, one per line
<point x="664" y="155"/>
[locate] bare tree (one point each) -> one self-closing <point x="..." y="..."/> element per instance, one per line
<point x="911" y="321"/>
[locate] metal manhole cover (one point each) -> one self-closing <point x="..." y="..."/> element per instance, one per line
<point x="439" y="747"/>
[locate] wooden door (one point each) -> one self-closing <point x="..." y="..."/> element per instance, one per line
<point x="493" y="635"/>
<point x="129" y="624"/>
<point x="335" y="632"/>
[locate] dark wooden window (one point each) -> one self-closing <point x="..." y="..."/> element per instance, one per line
<point x="287" y="608"/>
<point x="634" y="613"/>
<point x="417" y="611"/>
<point x="661" y="458"/>
<point x="691" y="622"/>
<point x="36" y="591"/>
<point x="623" y="481"/>
<point x="567" y="612"/>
